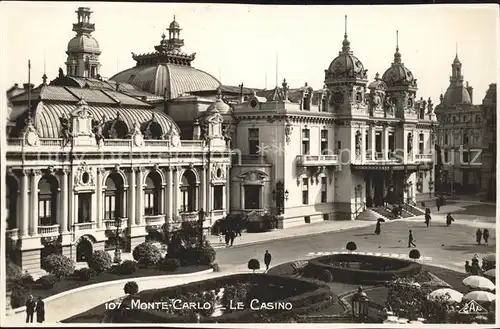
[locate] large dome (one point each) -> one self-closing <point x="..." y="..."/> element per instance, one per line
<point x="83" y="43"/>
<point x="175" y="79"/>
<point x="456" y="94"/>
<point x="346" y="65"/>
<point x="399" y="75"/>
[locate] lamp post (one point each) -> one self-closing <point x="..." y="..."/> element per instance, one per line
<point x="359" y="304"/>
<point x="280" y="195"/>
<point x="118" y="251"/>
<point x="201" y="219"/>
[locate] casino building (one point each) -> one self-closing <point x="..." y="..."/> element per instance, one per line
<point x="94" y="162"/>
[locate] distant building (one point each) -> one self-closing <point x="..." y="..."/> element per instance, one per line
<point x="467" y="139"/>
<point x="93" y="163"/>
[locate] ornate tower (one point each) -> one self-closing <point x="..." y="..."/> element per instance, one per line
<point x="83" y="50"/>
<point x="346" y="79"/>
<point x="401" y="88"/>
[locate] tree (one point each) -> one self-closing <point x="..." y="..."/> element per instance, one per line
<point x="253" y="264"/>
<point x="414" y="254"/>
<point x="146" y="254"/>
<point x="100" y="261"/>
<point x="351" y="246"/>
<point x="58" y="265"/>
<point x="131" y="288"/>
<point x="13" y="273"/>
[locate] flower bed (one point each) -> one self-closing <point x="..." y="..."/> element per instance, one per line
<point x="361" y="269"/>
<point x="305" y="296"/>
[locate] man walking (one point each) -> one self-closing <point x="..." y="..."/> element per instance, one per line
<point x="438" y="203"/>
<point x="40" y="310"/>
<point x="30" y="309"/>
<point x="410" y="239"/>
<point x="267" y="259"/>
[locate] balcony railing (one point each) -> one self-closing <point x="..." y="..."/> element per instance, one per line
<point x="84" y="226"/>
<point x="317" y="160"/>
<point x="188" y="216"/>
<point x="251" y="159"/>
<point x="12" y="233"/>
<point x="48" y="230"/>
<point x="111" y="223"/>
<point x="423" y="157"/>
<point x="154" y="219"/>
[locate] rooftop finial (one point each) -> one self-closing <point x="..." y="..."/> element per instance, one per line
<point x="397" y="40"/>
<point x="174" y="17"/>
<point x="397" y="54"/>
<point x="345" y="44"/>
<point x="345" y="26"/>
<point x="456" y="48"/>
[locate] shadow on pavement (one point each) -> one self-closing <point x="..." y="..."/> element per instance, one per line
<point x="471" y="248"/>
<point x="365" y="234"/>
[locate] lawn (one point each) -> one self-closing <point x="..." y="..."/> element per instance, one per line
<point x="72" y="283"/>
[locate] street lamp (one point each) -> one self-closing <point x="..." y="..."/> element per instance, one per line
<point x="359" y="305"/>
<point x="280" y="195"/>
<point x="118" y="251"/>
<point x="201" y="220"/>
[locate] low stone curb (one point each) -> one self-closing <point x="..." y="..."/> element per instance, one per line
<point x="102" y="284"/>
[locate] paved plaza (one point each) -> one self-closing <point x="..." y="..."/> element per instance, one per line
<point x="439" y="245"/>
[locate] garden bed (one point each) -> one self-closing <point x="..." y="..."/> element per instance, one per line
<point x="72" y="282"/>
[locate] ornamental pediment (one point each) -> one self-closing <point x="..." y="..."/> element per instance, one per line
<point x="253" y="175"/>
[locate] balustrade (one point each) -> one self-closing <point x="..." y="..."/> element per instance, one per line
<point x="84" y="226"/>
<point x="48" y="230"/>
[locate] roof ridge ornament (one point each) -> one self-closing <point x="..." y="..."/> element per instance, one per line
<point x="397" y="54"/>
<point x="346" y="44"/>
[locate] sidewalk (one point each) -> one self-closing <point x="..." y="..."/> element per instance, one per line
<point x="290" y="233"/>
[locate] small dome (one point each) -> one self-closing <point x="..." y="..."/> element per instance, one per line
<point x="83" y="43"/>
<point x="399" y="75"/>
<point x="378" y="83"/>
<point x="174" y="24"/>
<point x="345" y="65"/>
<point x="456" y="95"/>
<point x="219" y="105"/>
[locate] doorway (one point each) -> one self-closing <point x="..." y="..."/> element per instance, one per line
<point x="84" y="251"/>
<point x="252" y="196"/>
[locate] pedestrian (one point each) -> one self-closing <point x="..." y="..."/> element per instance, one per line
<point x="237" y="225"/>
<point x="479" y="235"/>
<point x="227" y="237"/>
<point x="377" y="228"/>
<point x="427" y="219"/>
<point x="40" y="310"/>
<point x="232" y="236"/>
<point x="486" y="236"/>
<point x="30" y="309"/>
<point x="467" y="267"/>
<point x="438" y="203"/>
<point x="427" y="210"/>
<point x="449" y="219"/>
<point x="267" y="259"/>
<point x="410" y="239"/>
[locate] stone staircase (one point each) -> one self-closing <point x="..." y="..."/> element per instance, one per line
<point x="384" y="213"/>
<point x="370" y="215"/>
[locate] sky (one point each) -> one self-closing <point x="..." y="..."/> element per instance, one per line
<point x="258" y="45"/>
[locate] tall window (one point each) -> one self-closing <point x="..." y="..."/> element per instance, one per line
<point x="324" y="141"/>
<point x="305" y="141"/>
<point x="188" y="190"/>
<point x="11" y="202"/>
<point x="113" y="197"/>
<point x="446" y="156"/>
<point x="84" y="208"/>
<point x="421" y="143"/>
<point x="152" y="195"/>
<point x="109" y="205"/>
<point x="218" y="195"/>
<point x="465" y="138"/>
<point x="305" y="191"/>
<point x="323" y="190"/>
<point x="252" y="196"/>
<point x="445" y="138"/>
<point x="253" y="140"/>
<point x="47" y="194"/>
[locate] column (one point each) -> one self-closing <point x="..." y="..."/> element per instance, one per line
<point x="24" y="201"/>
<point x="75" y="210"/>
<point x="363" y="145"/>
<point x="210" y="205"/>
<point x="203" y="188"/>
<point x="132" y="198"/>
<point x="99" y="207"/>
<point x="35" y="175"/>
<point x="63" y="220"/>
<point x="175" y="212"/>
<point x="227" y="198"/>
<point x="162" y="200"/>
<point x="385" y="143"/>
<point x="139" y="219"/>
<point x="372" y="142"/>
<point x="242" y="196"/>
<point x="170" y="197"/>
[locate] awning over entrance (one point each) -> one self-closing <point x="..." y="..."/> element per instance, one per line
<point x="395" y="167"/>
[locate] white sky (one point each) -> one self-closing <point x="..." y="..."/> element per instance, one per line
<point x="238" y="43"/>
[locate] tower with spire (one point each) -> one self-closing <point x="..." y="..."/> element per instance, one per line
<point x="83" y="50"/>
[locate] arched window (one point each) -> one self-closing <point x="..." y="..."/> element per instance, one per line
<point x="188" y="190"/>
<point x="113" y="197"/>
<point x="11" y="202"/>
<point x="152" y="194"/>
<point x="47" y="200"/>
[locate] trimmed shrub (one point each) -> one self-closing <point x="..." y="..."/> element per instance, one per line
<point x="326" y="276"/>
<point x="58" y="265"/>
<point x="131" y="288"/>
<point x="216" y="267"/>
<point x="169" y="264"/>
<point x="47" y="281"/>
<point x="18" y="297"/>
<point x="206" y="254"/>
<point x="84" y="274"/>
<point x="100" y="262"/>
<point x="253" y="264"/>
<point x="26" y="280"/>
<point x="126" y="267"/>
<point x="351" y="246"/>
<point x="146" y="254"/>
<point x="414" y="254"/>
<point x="13" y="272"/>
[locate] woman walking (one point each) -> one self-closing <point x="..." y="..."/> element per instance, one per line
<point x="479" y="235"/>
<point x="486" y="236"/>
<point x="40" y="310"/>
<point x="377" y="228"/>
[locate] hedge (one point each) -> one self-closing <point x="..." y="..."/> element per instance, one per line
<point x="384" y="268"/>
<point x="305" y="296"/>
<point x="100" y="261"/>
<point x="59" y="265"/>
<point x="146" y="254"/>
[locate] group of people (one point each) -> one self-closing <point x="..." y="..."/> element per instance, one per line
<point x="33" y="307"/>
<point x="482" y="235"/>
<point x="229" y="236"/>
<point x="474" y="268"/>
<point x="428" y="217"/>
